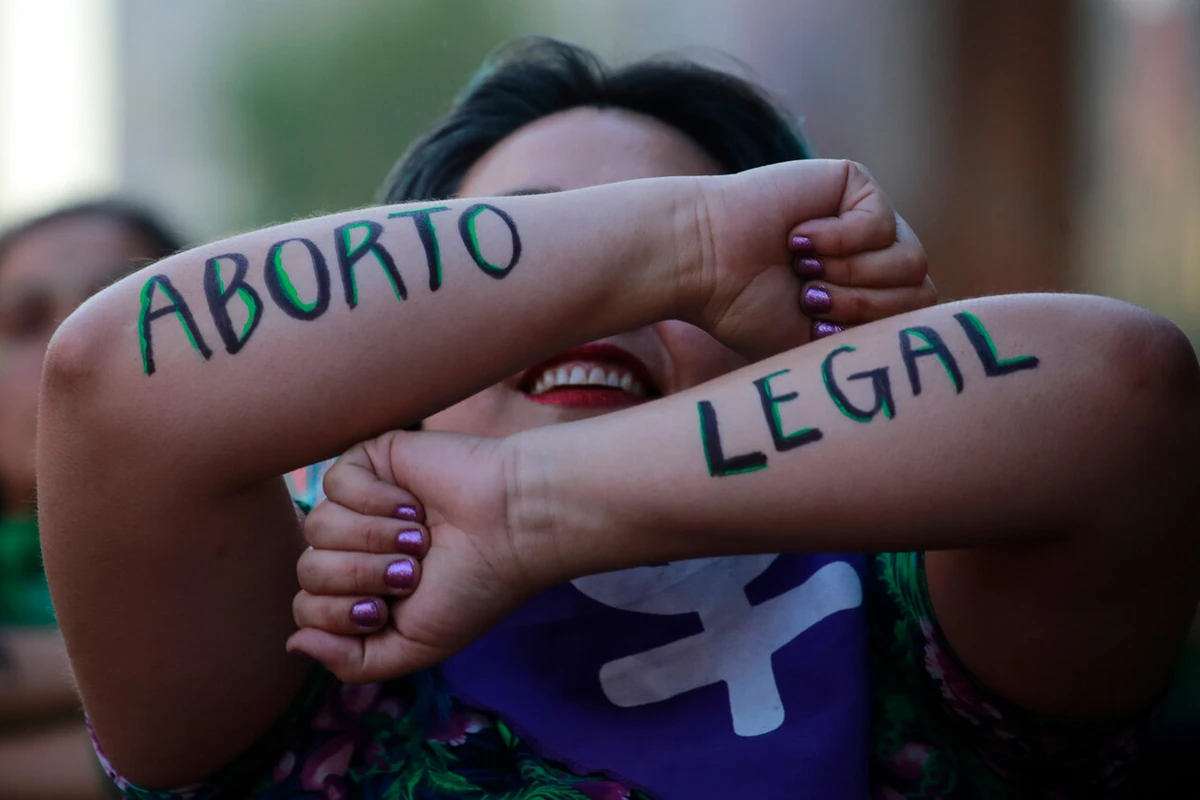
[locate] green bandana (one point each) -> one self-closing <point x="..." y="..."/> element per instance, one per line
<point x="24" y="596"/>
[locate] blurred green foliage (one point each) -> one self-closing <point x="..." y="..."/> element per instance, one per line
<point x="324" y="104"/>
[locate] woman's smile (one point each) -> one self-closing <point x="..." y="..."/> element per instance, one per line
<point x="591" y="376"/>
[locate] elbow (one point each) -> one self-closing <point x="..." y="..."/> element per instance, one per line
<point x="79" y="399"/>
<point x="1152" y="368"/>
<point x="1160" y="366"/>
<point x="73" y="367"/>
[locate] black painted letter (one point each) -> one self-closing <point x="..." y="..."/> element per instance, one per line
<point x="350" y="254"/>
<point x="178" y="307"/>
<point x="985" y="348"/>
<point x="219" y="295"/>
<point x="466" y="227"/>
<point x="770" y="406"/>
<point x="425" y="230"/>
<point x="283" y="292"/>
<point x="879" y="381"/>
<point x="718" y="464"/>
<point x="934" y="346"/>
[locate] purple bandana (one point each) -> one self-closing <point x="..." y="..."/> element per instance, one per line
<point x="721" y="677"/>
<point x="736" y="677"/>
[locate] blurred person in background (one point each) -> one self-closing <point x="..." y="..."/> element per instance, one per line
<point x="1038" y="447"/>
<point x="48" y="266"/>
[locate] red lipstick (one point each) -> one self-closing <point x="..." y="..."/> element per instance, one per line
<point x="591" y="396"/>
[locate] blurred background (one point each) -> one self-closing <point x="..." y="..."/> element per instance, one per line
<point x="1033" y="144"/>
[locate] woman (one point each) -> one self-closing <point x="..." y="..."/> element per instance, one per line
<point x="1020" y="440"/>
<point x="48" y="266"/>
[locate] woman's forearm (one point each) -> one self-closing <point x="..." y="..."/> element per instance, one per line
<point x="994" y="420"/>
<point x="280" y="347"/>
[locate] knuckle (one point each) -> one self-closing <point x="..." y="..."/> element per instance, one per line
<point x="859" y="307"/>
<point x="307" y="572"/>
<point x="928" y="293"/>
<point x="912" y="266"/>
<point x="316" y="524"/>
<point x="376" y="534"/>
<point x="346" y="673"/>
<point x="363" y="574"/>
<point x="336" y="478"/>
<point x="837" y="240"/>
<point x="299" y="608"/>
<point x="884" y="233"/>
<point x="849" y="272"/>
<point x="859" y="167"/>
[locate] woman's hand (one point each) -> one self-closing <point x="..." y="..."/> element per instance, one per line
<point x="365" y="628"/>
<point x="857" y="260"/>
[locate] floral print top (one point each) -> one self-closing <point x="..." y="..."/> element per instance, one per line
<point x="937" y="734"/>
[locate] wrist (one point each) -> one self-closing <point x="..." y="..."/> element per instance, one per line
<point x="551" y="526"/>
<point x="690" y="249"/>
<point x="534" y="527"/>
<point x="661" y="274"/>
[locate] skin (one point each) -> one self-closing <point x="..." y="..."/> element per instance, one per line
<point x="547" y="155"/>
<point x="1062" y="581"/>
<point x="176" y="607"/>
<point x="45" y="274"/>
<point x="1063" y="578"/>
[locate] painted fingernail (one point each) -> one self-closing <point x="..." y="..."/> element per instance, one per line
<point x="366" y="614"/>
<point x="802" y="244"/>
<point x="408" y="513"/>
<point x="410" y="542"/>
<point x="809" y="268"/>
<point x="816" y="300"/>
<point x="821" y="329"/>
<point x="400" y="574"/>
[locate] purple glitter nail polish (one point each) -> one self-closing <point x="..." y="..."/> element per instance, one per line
<point x="801" y="244"/>
<point x="809" y="268"/>
<point x="400" y="574"/>
<point x="408" y="513"/>
<point x="365" y="613"/>
<point x="821" y="329"/>
<point x="410" y="542"/>
<point x="816" y="300"/>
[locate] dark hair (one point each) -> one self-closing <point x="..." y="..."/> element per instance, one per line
<point x="162" y="240"/>
<point x="730" y="118"/>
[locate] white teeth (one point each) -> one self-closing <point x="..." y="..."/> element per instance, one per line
<point x="587" y="375"/>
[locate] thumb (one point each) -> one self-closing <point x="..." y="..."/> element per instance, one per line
<point x="380" y="656"/>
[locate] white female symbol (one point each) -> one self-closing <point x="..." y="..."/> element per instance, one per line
<point x="738" y="639"/>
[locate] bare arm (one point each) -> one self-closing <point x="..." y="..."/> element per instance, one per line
<point x="172" y="399"/>
<point x="1045" y="446"/>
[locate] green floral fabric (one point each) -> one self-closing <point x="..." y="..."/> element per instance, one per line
<point x="938" y="734"/>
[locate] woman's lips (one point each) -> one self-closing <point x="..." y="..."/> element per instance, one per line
<point x="591" y="376"/>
